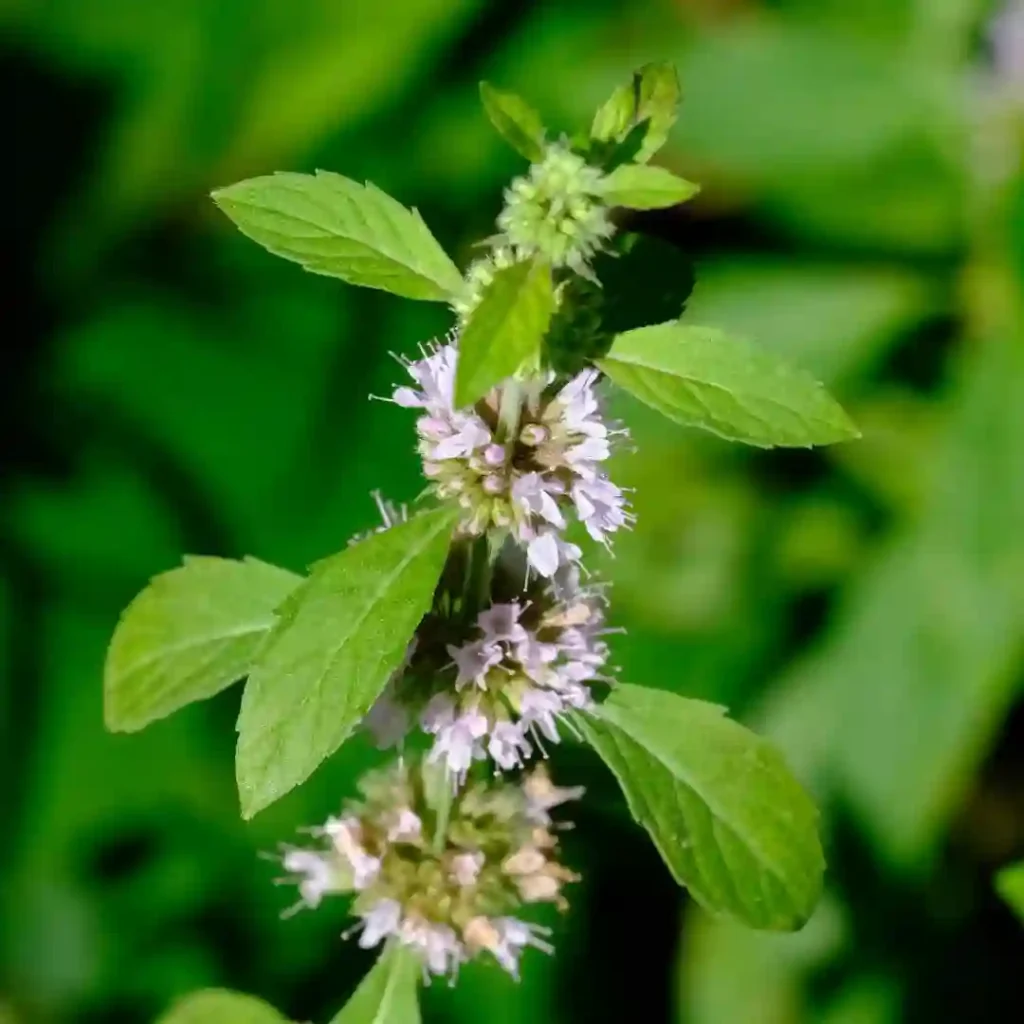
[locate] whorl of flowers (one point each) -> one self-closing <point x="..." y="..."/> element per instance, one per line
<point x="556" y="211"/>
<point x="522" y="476"/>
<point x="498" y="688"/>
<point x="447" y="887"/>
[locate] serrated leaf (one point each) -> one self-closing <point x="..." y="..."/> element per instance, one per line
<point x="640" y="187"/>
<point x="335" y="226"/>
<point x="505" y="330"/>
<point x="387" y="995"/>
<point x="339" y="637"/>
<point x="700" y="377"/>
<point x="192" y="632"/>
<point x="219" y="1006"/>
<point x="515" y="120"/>
<point x="729" y="819"/>
<point x="1010" y="886"/>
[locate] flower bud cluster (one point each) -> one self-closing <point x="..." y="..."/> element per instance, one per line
<point x="556" y="211"/>
<point x="449" y="886"/>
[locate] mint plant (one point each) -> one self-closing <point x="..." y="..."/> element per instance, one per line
<point x="468" y="633"/>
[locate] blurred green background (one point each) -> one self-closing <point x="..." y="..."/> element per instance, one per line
<point x="167" y="387"/>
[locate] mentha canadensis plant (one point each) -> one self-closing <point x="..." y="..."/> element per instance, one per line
<point x="467" y="636"/>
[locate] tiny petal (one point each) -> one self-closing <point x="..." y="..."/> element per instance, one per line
<point x="542" y="553"/>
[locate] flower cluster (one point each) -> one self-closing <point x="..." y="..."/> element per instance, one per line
<point x="502" y="689"/>
<point x="556" y="211"/>
<point x="448" y="887"/>
<point x="524" y="475"/>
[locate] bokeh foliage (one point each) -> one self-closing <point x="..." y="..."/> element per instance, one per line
<point x="169" y="387"/>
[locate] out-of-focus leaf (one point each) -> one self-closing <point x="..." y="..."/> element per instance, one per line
<point x="728" y="973"/>
<point x="1010" y="885"/>
<point x="926" y="655"/>
<point x="339" y="637"/>
<point x="701" y="377"/>
<point x="515" y="120"/>
<point x="720" y="804"/>
<point x="191" y="632"/>
<point x="768" y="100"/>
<point x="335" y="226"/>
<point x="387" y="995"/>
<point x="218" y="1006"/>
<point x="505" y="330"/>
<point x="640" y="187"/>
<point x="835" y="320"/>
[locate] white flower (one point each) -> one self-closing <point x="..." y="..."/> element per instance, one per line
<point x="382" y="920"/>
<point x="508" y="746"/>
<point x="458" y="739"/>
<point x="473" y="661"/>
<point x="316" y="877"/>
<point x="406" y="826"/>
<point x="466" y="867"/>
<point x="438" y="945"/>
<point x="513" y="937"/>
<point x="344" y="833"/>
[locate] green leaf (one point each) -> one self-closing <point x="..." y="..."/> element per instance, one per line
<point x="640" y="187"/>
<point x="339" y="638"/>
<point x="700" y="377"/>
<point x="505" y="330"/>
<point x="335" y="226"/>
<point x="650" y="100"/>
<point x="515" y="120"/>
<point x="616" y="115"/>
<point x="1010" y="885"/>
<point x="192" y="632"/>
<point x="658" y="96"/>
<point x="387" y="995"/>
<point x="729" y="819"/>
<point x="218" y="1006"/>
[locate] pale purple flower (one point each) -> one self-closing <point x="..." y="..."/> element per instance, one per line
<point x="513" y="937"/>
<point x="466" y="867"/>
<point x="508" y="745"/>
<point x="382" y="920"/>
<point x="314" y="873"/>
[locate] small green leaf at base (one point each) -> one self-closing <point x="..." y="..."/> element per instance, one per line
<point x="192" y="632"/>
<point x="335" y="226"/>
<point x="505" y="330"/>
<point x="640" y="187"/>
<point x="700" y="377"/>
<point x="219" y="1006"/>
<point x="339" y="638"/>
<point x="387" y="995"/>
<point x="1010" y="885"/>
<point x="515" y="120"/>
<point x="729" y="819"/>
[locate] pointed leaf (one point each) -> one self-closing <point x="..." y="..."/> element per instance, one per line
<point x="192" y="632"/>
<point x="616" y="115"/>
<point x="1010" y="885"/>
<point x="218" y="1006"/>
<point x="650" y="100"/>
<point x="515" y="120"/>
<point x="729" y="819"/>
<point x="339" y="638"/>
<point x="387" y="995"/>
<point x="658" y="96"/>
<point x="335" y="226"/>
<point x="640" y="187"/>
<point x="505" y="330"/>
<point x="700" y="377"/>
